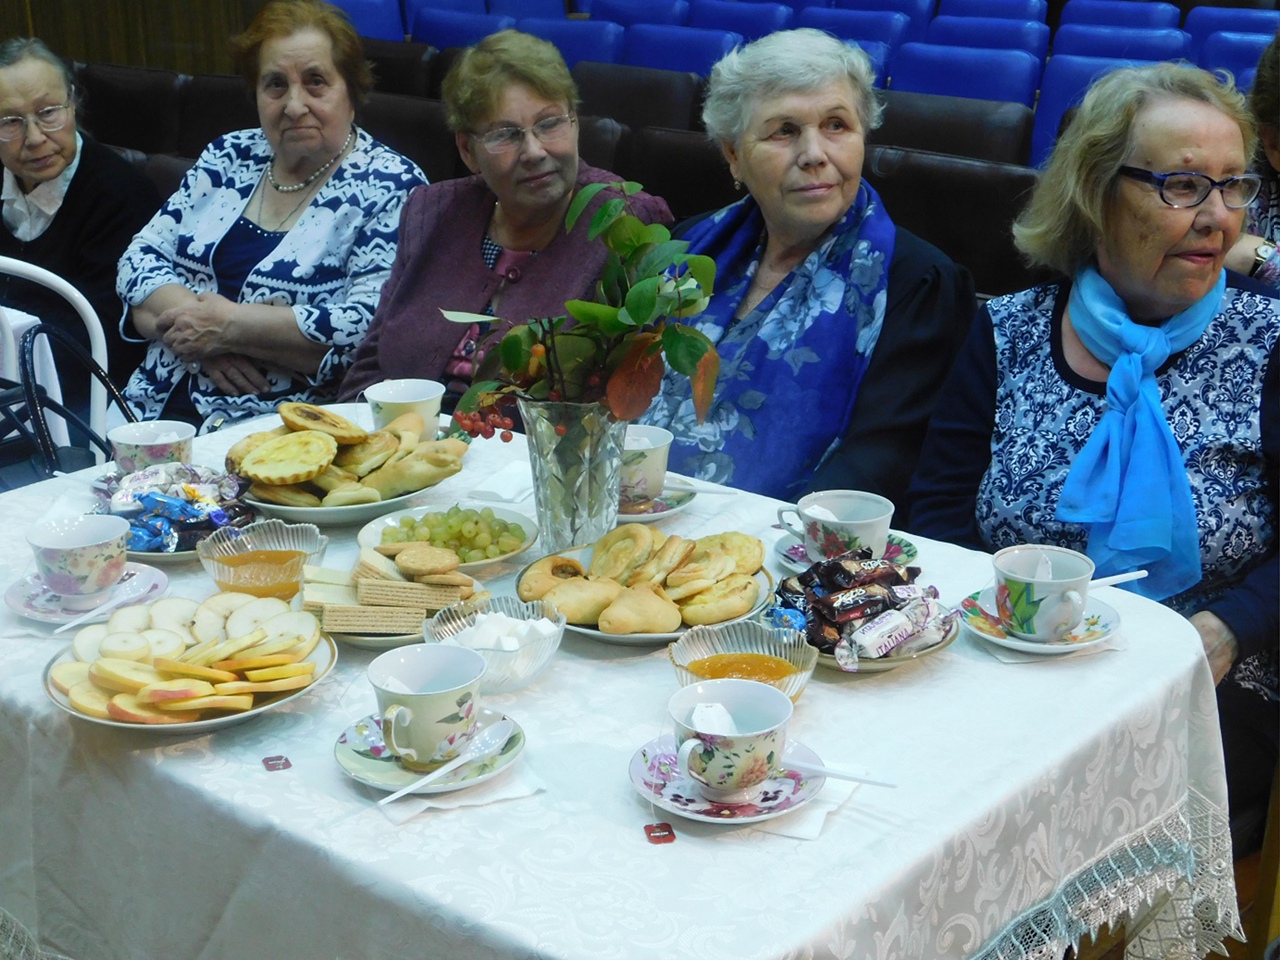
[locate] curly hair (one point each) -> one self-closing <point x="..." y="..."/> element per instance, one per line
<point x="283" y="18"/>
<point x="475" y="83"/>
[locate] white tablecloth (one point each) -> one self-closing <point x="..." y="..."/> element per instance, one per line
<point x="1035" y="802"/>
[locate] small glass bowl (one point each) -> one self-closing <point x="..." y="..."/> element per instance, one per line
<point x="279" y="549"/>
<point x="746" y="636"/>
<point x="505" y="670"/>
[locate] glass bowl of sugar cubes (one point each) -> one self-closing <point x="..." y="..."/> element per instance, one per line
<point x="516" y="639"/>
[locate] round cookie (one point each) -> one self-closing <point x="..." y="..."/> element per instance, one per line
<point x="422" y="558"/>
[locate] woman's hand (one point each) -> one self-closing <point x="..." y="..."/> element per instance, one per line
<point x="1220" y="644"/>
<point x="199" y="330"/>
<point x="234" y="374"/>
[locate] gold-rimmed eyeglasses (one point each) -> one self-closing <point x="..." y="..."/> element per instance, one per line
<point x="48" y="119"/>
<point x="547" y="130"/>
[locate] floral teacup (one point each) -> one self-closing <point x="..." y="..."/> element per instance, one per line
<point x="730" y="765"/>
<point x="427" y="697"/>
<point x="137" y="446"/>
<point x="81" y="558"/>
<point x="837" y="521"/>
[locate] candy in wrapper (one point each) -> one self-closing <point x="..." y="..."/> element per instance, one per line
<point x="840" y="575"/>
<point x="151" y="534"/>
<point x="882" y="634"/>
<point x="171" y="508"/>
<point x="786" y="618"/>
<point x="856" y="603"/>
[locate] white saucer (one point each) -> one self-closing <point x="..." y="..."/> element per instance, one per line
<point x="1099" y="625"/>
<point x="364" y="757"/>
<point x="30" y="598"/>
<point x="791" y="553"/>
<point x="662" y="506"/>
<point x="656" y="777"/>
<point x="377" y="641"/>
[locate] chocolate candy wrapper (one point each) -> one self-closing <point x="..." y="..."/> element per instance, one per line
<point x="842" y="574"/>
<point x="891" y="630"/>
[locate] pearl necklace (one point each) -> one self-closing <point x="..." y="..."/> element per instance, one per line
<point x="271" y="176"/>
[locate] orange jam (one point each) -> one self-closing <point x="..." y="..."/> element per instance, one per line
<point x="263" y="573"/>
<point x="744" y="666"/>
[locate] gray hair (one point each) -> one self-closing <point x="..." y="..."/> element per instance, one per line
<point x="788" y="61"/>
<point x="17" y="49"/>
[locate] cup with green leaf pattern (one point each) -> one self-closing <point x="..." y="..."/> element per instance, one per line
<point x="1041" y="591"/>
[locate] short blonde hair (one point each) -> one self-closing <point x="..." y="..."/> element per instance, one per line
<point x="1067" y="213"/>
<point x="475" y="83"/>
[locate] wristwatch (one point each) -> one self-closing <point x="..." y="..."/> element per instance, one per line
<point x="1261" y="255"/>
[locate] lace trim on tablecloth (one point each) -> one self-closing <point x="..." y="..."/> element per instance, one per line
<point x="1172" y="881"/>
<point x="17" y="943"/>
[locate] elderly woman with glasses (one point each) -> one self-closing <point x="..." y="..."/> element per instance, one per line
<point x="493" y="243"/>
<point x="68" y="204"/>
<point x="1132" y="409"/>
<point x="257" y="279"/>
<point x="833" y="325"/>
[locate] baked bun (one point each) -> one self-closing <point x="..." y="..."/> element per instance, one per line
<point x="643" y="608"/>
<point x="410" y="421"/>
<point x="621" y="551"/>
<point x="242" y="447"/>
<point x="307" y="416"/>
<point x="349" y="496"/>
<point x="714" y="566"/>
<point x="369" y="454"/>
<point x="730" y="598"/>
<point x="285" y="494"/>
<point x="747" y="551"/>
<point x="293" y="458"/>
<point x="412" y="473"/>
<point x="546" y="573"/>
<point x="675" y="550"/>
<point x="334" y="478"/>
<point x="582" y="600"/>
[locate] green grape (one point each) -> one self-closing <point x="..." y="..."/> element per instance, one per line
<point x="482" y="540"/>
<point x="493" y="550"/>
<point x="471" y="556"/>
<point x="406" y="522"/>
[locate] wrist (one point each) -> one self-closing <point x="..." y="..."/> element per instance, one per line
<point x="1262" y="257"/>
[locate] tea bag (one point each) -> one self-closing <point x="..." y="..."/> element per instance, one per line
<point x="713" y="719"/>
<point x="395" y="686"/>
<point x="1044" y="568"/>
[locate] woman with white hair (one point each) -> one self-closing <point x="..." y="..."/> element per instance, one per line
<point x="834" y="326"/>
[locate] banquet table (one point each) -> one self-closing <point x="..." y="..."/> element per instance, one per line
<point x="1034" y="801"/>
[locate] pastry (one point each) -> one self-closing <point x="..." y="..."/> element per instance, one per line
<point x="369" y="454"/>
<point x="675" y="550"/>
<point x="285" y="494"/>
<point x="307" y="416"/>
<point x="747" y="551"/>
<point x="242" y="447"/>
<point x="730" y="598"/>
<point x="290" y="459"/>
<point x="412" y="473"/>
<point x="544" y="574"/>
<point x="582" y="600"/>
<point x="643" y="608"/>
<point x="620" y="551"/>
<point x="347" y="496"/>
<point x="334" y="477"/>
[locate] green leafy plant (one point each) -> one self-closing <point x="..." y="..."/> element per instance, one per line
<point x="618" y="346"/>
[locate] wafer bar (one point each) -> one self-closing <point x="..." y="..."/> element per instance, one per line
<point x="374" y="566"/>
<point x="316" y="595"/>
<point x="423" y="596"/>
<point x="354" y="619"/>
<point x="312" y="573"/>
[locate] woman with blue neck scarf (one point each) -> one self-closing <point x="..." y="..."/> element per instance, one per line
<point x="834" y="327"/>
<point x="1132" y="411"/>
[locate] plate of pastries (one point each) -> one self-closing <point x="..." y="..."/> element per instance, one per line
<point x="637" y="586"/>
<point x="321" y="467"/>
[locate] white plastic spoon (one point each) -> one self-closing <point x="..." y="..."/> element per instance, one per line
<point x="1118" y="578"/>
<point x="487" y="741"/>
<point x="818" y="770"/>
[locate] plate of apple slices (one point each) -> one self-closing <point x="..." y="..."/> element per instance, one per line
<point x="180" y="666"/>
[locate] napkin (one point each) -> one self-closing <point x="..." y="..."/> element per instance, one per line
<point x="519" y="781"/>
<point x="512" y="483"/>
<point x="1005" y="655"/>
<point x="806" y="823"/>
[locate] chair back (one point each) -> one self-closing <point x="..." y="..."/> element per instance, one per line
<point x="1066" y="78"/>
<point x="889" y="27"/>
<point x="990" y="32"/>
<point x="1233" y="52"/>
<point x="753" y="20"/>
<point x="1037" y="10"/>
<point x="979" y="129"/>
<point x="380" y="19"/>
<point x="1012" y="75"/>
<point x="1144" y="43"/>
<point x="1203" y="21"/>
<point x="97" y="341"/>
<point x="639" y="96"/>
<point x="527" y="9"/>
<point x="665" y="47"/>
<point x="629" y="12"/>
<point x="212" y="105"/>
<point x="598" y="40"/>
<point x="1121" y="13"/>
<point x="456" y="28"/>
<point x="920" y="12"/>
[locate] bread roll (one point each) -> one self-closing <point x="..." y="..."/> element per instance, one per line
<point x="369" y="454"/>
<point x="411" y="474"/>
<point x="582" y="600"/>
<point x="730" y="598"/>
<point x="643" y="608"/>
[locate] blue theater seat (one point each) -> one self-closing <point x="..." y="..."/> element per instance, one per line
<point x="752" y="20"/>
<point x="1001" y="9"/>
<point x="628" y="12"/>
<point x="883" y="26"/>
<point x="375" y="18"/>
<point x="666" y="47"/>
<point x="920" y="12"/>
<point x="455" y="28"/>
<point x="972" y="72"/>
<point x="1121" y="13"/>
<point x="1233" y="52"/>
<point x="529" y="9"/>
<point x="1202" y="21"/>
<point x="1097" y="40"/>
<point x="1029" y="35"/>
<point x="597" y="40"/>
<point x="1066" y="78"/>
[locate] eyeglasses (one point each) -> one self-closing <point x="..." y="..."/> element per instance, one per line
<point x="47" y="119"/>
<point x="1191" y="189"/>
<point x="508" y="139"/>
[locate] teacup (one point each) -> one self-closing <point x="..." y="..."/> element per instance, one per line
<point x="730" y="767"/>
<point x="81" y="558"/>
<point x="136" y="446"/>
<point x="1041" y="591"/>
<point x="837" y="521"/>
<point x="393" y="398"/>
<point x="427" y="697"/>
<point x="644" y="464"/>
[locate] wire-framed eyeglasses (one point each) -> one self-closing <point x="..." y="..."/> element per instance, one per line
<point x="1184" y="189"/>
<point x="508" y="139"/>
<point x="48" y="119"/>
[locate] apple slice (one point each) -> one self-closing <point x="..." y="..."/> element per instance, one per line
<point x="229" y="648"/>
<point x="183" y="688"/>
<point x="133" y="619"/>
<point x="251" y="616"/>
<point x="90" y="699"/>
<point x="266" y="686"/>
<point x="237" y="703"/>
<point x="280" y="672"/>
<point x="237" y="664"/>
<point x="208" y="626"/>
<point x="227" y="602"/>
<point x="127" y="707"/>
<point x="67" y="674"/>
<point x="85" y="645"/>
<point x="125" y="645"/>
<point x="122" y="676"/>
<point x="177" y="668"/>
<point x="164" y="643"/>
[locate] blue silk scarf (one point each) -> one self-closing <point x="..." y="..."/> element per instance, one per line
<point x="790" y="370"/>
<point x="1129" y="484"/>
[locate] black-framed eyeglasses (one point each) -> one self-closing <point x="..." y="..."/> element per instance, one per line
<point x="1184" y="189"/>
<point x="508" y="139"/>
<point x="48" y="119"/>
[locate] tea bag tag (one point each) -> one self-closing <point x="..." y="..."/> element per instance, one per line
<point x="660" y="833"/>
<point x="713" y="719"/>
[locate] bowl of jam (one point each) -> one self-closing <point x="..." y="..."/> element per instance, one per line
<point x="264" y="559"/>
<point x="746" y="650"/>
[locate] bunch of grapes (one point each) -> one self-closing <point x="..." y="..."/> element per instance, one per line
<point x="472" y="534"/>
<point x="476" y="423"/>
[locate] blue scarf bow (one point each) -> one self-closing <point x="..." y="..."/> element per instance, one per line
<point x="1129" y="483"/>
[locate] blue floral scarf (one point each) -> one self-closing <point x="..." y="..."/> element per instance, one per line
<point x="790" y="370"/>
<point x="1129" y="484"/>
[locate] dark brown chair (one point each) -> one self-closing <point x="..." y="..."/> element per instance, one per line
<point x="131" y="106"/>
<point x="682" y="166"/>
<point x="415" y="127"/>
<point x="211" y="106"/>
<point x="964" y="207"/>
<point x="601" y="142"/>
<point x="639" y="96"/>
<point x="981" y="129"/>
<point x="162" y="169"/>
<point x="400" y="66"/>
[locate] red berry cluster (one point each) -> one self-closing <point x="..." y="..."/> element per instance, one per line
<point x="479" y="424"/>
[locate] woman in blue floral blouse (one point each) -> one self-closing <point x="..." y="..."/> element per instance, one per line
<point x="257" y="280"/>
<point x="834" y="327"/>
<point x="1132" y="410"/>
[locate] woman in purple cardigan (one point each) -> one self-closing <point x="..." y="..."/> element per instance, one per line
<point x="495" y="242"/>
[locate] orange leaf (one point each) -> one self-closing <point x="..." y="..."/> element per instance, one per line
<point x="703" y="382"/>
<point x="635" y="382"/>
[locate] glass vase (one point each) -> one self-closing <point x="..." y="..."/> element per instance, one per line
<point x="575" y="471"/>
